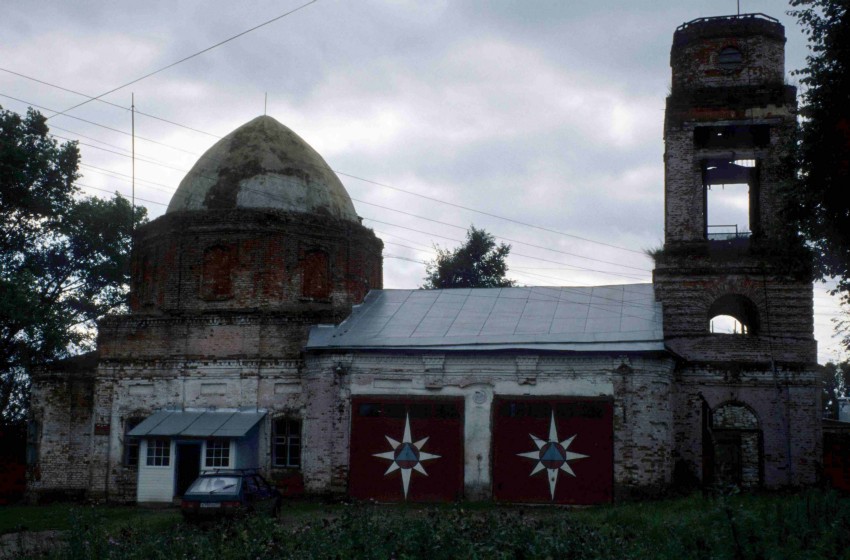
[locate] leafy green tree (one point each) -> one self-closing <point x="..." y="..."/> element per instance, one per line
<point x="479" y="263"/>
<point x="819" y="201"/>
<point x="64" y="260"/>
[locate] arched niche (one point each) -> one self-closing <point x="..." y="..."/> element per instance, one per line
<point x="217" y="269"/>
<point x="316" y="283"/>
<point x="734" y="454"/>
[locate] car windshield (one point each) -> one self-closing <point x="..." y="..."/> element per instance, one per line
<point x="214" y="484"/>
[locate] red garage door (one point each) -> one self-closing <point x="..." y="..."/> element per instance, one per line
<point x="553" y="450"/>
<point x="406" y="449"/>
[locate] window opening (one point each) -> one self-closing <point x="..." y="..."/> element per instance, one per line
<point x="737" y="136"/>
<point x="733" y="314"/>
<point x="159" y="453"/>
<point x="731" y="191"/>
<point x="726" y="324"/>
<point x="286" y="443"/>
<point x="218" y="453"/>
<point x="131" y="444"/>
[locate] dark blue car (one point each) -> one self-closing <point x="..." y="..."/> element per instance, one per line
<point x="227" y="492"/>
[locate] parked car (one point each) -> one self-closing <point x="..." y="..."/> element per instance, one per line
<point x="231" y="491"/>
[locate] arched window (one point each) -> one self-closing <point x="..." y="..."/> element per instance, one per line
<point x="733" y="314"/>
<point x="316" y="275"/>
<point x="729" y="58"/>
<point x="217" y="273"/>
<point x="736" y="445"/>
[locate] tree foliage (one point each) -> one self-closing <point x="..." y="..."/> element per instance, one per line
<point x="819" y="200"/>
<point x="835" y="382"/>
<point x="479" y="263"/>
<point x="64" y="260"/>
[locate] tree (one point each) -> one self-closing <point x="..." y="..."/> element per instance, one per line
<point x="818" y="201"/>
<point x="64" y="260"/>
<point x="479" y="263"/>
<point x="835" y="381"/>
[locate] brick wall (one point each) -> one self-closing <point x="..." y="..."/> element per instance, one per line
<point x="697" y="45"/>
<point x="61" y="403"/>
<point x="784" y="402"/>
<point x="251" y="259"/>
<point x="640" y="387"/>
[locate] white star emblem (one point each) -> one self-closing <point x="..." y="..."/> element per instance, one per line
<point x="552" y="455"/>
<point x="406" y="455"/>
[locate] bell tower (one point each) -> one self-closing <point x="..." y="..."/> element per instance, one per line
<point x="735" y="288"/>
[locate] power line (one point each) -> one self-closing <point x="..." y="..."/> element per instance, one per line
<point x="36" y="105"/>
<point x="499" y="237"/>
<point x="103" y="171"/>
<point x="270" y="195"/>
<point x="113" y="192"/>
<point x="411" y="193"/>
<point x="116" y="105"/>
<point x="482" y="212"/>
<point x="191" y="56"/>
<point x="575" y="267"/>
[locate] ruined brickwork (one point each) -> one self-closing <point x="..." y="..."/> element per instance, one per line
<point x="257" y="260"/>
<point x="221" y="302"/>
<point x="261" y="242"/>
<point x="64" y="412"/>
<point x="729" y="120"/>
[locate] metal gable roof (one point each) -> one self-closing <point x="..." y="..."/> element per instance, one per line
<point x="600" y="318"/>
<point x="202" y="423"/>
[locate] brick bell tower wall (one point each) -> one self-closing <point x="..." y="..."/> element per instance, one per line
<point x="729" y="121"/>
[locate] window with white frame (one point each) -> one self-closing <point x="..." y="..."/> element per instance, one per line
<point x="286" y="443"/>
<point x="218" y="453"/>
<point x="159" y="453"/>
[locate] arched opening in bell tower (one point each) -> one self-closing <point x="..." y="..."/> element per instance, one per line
<point x="733" y="314"/>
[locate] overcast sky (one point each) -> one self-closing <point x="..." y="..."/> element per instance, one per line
<point x="549" y="113"/>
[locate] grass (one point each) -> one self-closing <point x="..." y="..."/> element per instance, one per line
<point x="64" y="517"/>
<point x="811" y="524"/>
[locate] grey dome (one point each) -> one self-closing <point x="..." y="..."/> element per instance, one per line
<point x="263" y="164"/>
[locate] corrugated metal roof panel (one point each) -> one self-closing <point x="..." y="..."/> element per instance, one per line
<point x="206" y="423"/>
<point x="209" y="423"/>
<point x="238" y="425"/>
<point x="149" y="423"/>
<point x="535" y="317"/>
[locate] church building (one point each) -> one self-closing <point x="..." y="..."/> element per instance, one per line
<point x="259" y="335"/>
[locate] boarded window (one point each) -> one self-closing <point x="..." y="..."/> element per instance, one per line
<point x="217" y="273"/>
<point x="317" y="277"/>
<point x="730" y="58"/>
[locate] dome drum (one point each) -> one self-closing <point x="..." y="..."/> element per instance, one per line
<point x="250" y="259"/>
